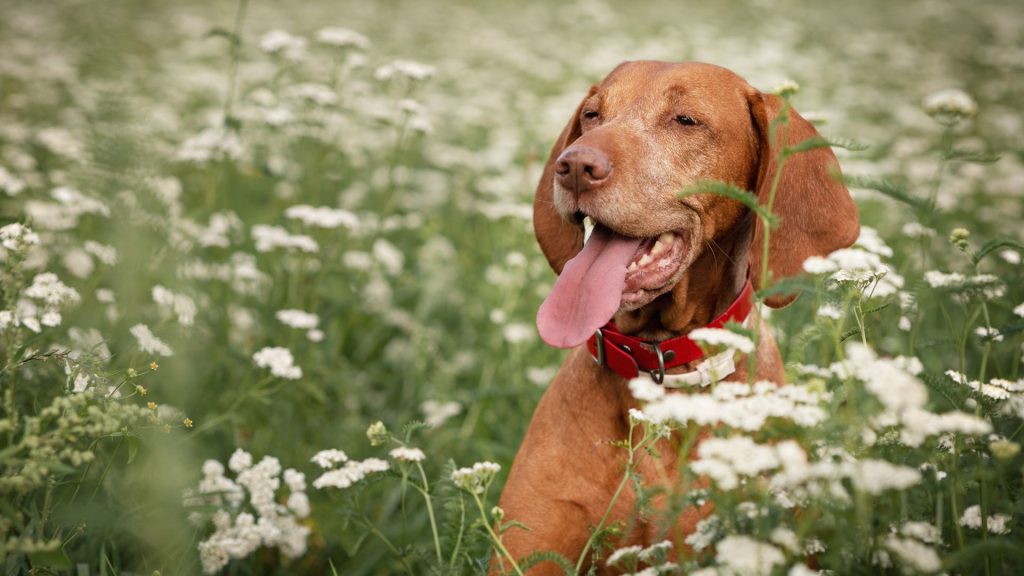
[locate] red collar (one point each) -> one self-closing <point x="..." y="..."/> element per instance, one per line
<point x="628" y="355"/>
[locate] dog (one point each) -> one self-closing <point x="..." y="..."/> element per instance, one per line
<point x="656" y="265"/>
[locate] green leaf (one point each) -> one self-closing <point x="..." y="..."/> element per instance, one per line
<point x="547" y="556"/>
<point x="846" y="144"/>
<point x="812" y="143"/>
<point x="972" y="156"/>
<point x="736" y="193"/>
<point x="133" y="447"/>
<point x="52" y="559"/>
<point x="890" y="189"/>
<point x="849" y="334"/>
<point x="993" y="245"/>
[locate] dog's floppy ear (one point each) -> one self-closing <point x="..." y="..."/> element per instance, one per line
<point x="559" y="239"/>
<point x="817" y="215"/>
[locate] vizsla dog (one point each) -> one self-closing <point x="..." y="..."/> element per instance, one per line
<point x="655" y="267"/>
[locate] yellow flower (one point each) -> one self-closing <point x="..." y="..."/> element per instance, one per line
<point x="151" y="405"/>
<point x="141" y="390"/>
<point x="188" y="422"/>
<point x="154" y="366"/>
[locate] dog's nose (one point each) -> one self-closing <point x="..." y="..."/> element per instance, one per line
<point x="580" y="168"/>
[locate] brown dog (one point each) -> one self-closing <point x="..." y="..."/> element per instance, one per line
<point x="658" y="266"/>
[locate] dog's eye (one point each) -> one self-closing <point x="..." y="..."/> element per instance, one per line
<point x="685" y="120"/>
<point x="590" y="114"/>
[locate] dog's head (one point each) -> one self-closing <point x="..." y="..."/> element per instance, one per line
<point x="639" y="138"/>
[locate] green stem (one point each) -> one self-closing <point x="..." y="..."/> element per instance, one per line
<point x="615" y="497"/>
<point x="494" y="537"/>
<point x="430" y="510"/>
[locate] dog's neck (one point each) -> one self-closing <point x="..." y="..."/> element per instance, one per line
<point x="707" y="288"/>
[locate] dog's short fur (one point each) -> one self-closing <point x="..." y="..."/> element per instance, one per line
<point x="636" y="140"/>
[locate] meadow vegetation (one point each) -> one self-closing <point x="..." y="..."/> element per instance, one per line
<point x="269" y="281"/>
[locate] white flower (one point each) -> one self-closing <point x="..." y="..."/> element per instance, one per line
<point x="476" y="478"/>
<point x="213" y="143"/>
<point x="353" y="471"/>
<point x="9" y="183"/>
<point x="437" y="413"/>
<point x="298" y="319"/>
<point x="240" y="460"/>
<point x="916" y="230"/>
<point x="951" y="102"/>
<point x="279" y="360"/>
<point x="388" y="256"/>
<point x="179" y="305"/>
<point x="517" y="332"/>
<point x="407" y="454"/>
<point x="830" y="311"/>
<point x="744" y="555"/>
<point x="17" y="236"/>
<point x="819" y="265"/>
<point x="328" y="458"/>
<point x="323" y="217"/>
<point x="645" y="390"/>
<point x="985" y="285"/>
<point x="149" y="343"/>
<point x="722" y="337"/>
<point x="342" y="38"/>
<point x="623" y="556"/>
<point x="1010" y="256"/>
<point x="404" y="69"/>
<point x="997" y="523"/>
<point x="988" y="334"/>
<point x="704" y="533"/>
<point x="281" y="42"/>
<point x="298" y="502"/>
<point x="923" y="531"/>
<point x="921" y="557"/>
<point x="1019" y="310"/>
<point x="877" y="476"/>
<point x="295" y="480"/>
<point x="268" y="238"/>
<point x="51" y="291"/>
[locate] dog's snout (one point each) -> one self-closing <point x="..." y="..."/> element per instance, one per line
<point x="580" y="168"/>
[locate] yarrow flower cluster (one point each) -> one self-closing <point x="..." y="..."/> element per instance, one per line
<point x="269" y="238"/>
<point x="997" y="523"/>
<point x="860" y="266"/>
<point x="301" y="320"/>
<point x="17" y="237"/>
<point x="949" y="106"/>
<point x="323" y="217"/>
<point x="722" y="337"/>
<point x="476" y="478"/>
<point x="654" y="556"/>
<point x="279" y="360"/>
<point x="342" y="38"/>
<point x="177" y="305"/>
<point x="149" y="343"/>
<point x="404" y="69"/>
<point x="350" y="473"/>
<point x="239" y="532"/>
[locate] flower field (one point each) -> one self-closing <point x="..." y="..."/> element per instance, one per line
<point x="269" y="283"/>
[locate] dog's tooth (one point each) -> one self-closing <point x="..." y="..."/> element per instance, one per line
<point x="658" y="248"/>
<point x="646" y="259"/>
<point x="632" y="267"/>
<point x="667" y="238"/>
<point x="588" y="229"/>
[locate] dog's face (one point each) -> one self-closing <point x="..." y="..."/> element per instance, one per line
<point x="638" y="139"/>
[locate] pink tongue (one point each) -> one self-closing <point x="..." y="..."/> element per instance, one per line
<point x="588" y="291"/>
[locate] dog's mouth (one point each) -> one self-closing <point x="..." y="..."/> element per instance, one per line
<point x="612" y="272"/>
